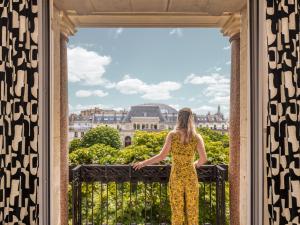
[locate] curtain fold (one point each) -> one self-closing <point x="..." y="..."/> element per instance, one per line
<point x="283" y="124"/>
<point x="19" y="112"/>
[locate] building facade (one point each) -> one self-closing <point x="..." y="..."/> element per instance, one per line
<point x="148" y="117"/>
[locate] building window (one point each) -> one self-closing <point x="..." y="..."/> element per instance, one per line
<point x="134" y="126"/>
<point x="82" y="134"/>
<point x="223" y="127"/>
<point x="138" y="126"/>
<point x="215" y="126"/>
<point x="155" y="126"/>
<point x="143" y="126"/>
<point x="127" y="141"/>
<point x="75" y="134"/>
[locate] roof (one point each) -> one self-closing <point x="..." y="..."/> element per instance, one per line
<point x="163" y="107"/>
<point x="144" y="111"/>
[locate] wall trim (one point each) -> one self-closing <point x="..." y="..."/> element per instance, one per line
<point x="44" y="115"/>
<point x="256" y="115"/>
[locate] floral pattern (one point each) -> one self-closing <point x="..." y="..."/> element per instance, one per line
<point x="183" y="184"/>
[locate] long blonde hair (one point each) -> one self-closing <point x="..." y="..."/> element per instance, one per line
<point x="186" y="123"/>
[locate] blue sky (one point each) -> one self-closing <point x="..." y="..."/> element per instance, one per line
<point x="120" y="67"/>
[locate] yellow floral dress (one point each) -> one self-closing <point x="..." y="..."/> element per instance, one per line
<point x="183" y="181"/>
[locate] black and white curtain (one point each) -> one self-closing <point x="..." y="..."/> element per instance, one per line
<point x="19" y="112"/>
<point x="283" y="128"/>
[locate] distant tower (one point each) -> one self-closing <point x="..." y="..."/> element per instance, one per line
<point x="219" y="109"/>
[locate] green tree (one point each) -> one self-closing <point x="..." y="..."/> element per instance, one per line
<point x="97" y="153"/>
<point x="146" y="144"/>
<point x="102" y="135"/>
<point x="74" y="144"/>
<point x="153" y="140"/>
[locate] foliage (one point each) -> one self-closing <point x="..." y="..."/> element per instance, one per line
<point x="97" y="153"/>
<point x="153" y="140"/>
<point x="216" y="146"/>
<point x="102" y="135"/>
<point x="74" y="144"/>
<point x="145" y="145"/>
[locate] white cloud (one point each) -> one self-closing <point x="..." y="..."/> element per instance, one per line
<point x="121" y="108"/>
<point x="100" y="93"/>
<point x="217" y="87"/>
<point x="227" y="47"/>
<point x="214" y="78"/>
<point x="175" y="106"/>
<point x="204" y="109"/>
<point x="70" y="107"/>
<point x="221" y="100"/>
<point x="192" y="99"/>
<point x="88" y="93"/>
<point x="118" y="32"/>
<point x="218" y="68"/>
<point x="77" y="108"/>
<point x="177" y="31"/>
<point x="159" y="91"/>
<point x="87" y="67"/>
<point x="228" y="63"/>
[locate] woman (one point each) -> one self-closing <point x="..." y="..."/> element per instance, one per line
<point x="182" y="142"/>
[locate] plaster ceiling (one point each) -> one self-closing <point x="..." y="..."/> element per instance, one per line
<point x="90" y="13"/>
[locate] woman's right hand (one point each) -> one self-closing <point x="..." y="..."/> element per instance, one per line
<point x="138" y="165"/>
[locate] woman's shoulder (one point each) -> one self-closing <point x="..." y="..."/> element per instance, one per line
<point x="198" y="137"/>
<point x="172" y="133"/>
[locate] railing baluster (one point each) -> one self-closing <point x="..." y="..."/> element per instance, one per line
<point x="160" y="201"/>
<point x="136" y="201"/>
<point x="151" y="195"/>
<point x="210" y="201"/>
<point x="217" y="197"/>
<point x="80" y="203"/>
<point x="145" y="208"/>
<point x="107" y="203"/>
<point x="122" y="192"/>
<point x="204" y="203"/>
<point x="86" y="192"/>
<point x="86" y="203"/>
<point x="101" y="203"/>
<point x="92" y="203"/>
<point x="116" y="202"/>
<point x="130" y="203"/>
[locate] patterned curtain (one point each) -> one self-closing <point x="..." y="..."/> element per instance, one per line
<point x="18" y="112"/>
<point x="283" y="128"/>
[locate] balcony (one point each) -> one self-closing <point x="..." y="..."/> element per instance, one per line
<point x="117" y="194"/>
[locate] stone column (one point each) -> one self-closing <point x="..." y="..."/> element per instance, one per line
<point x="67" y="29"/>
<point x="234" y="131"/>
<point x="231" y="28"/>
<point x="64" y="174"/>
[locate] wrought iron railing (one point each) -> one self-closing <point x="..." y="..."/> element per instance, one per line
<point x="117" y="194"/>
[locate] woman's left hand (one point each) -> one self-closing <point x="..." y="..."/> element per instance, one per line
<point x="138" y="165"/>
<point x="196" y="165"/>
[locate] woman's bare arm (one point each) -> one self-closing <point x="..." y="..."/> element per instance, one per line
<point x="201" y="151"/>
<point x="157" y="158"/>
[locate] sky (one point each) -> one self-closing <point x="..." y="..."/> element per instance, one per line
<point x="116" y="68"/>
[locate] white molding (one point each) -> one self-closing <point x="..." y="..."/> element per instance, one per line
<point x="148" y="20"/>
